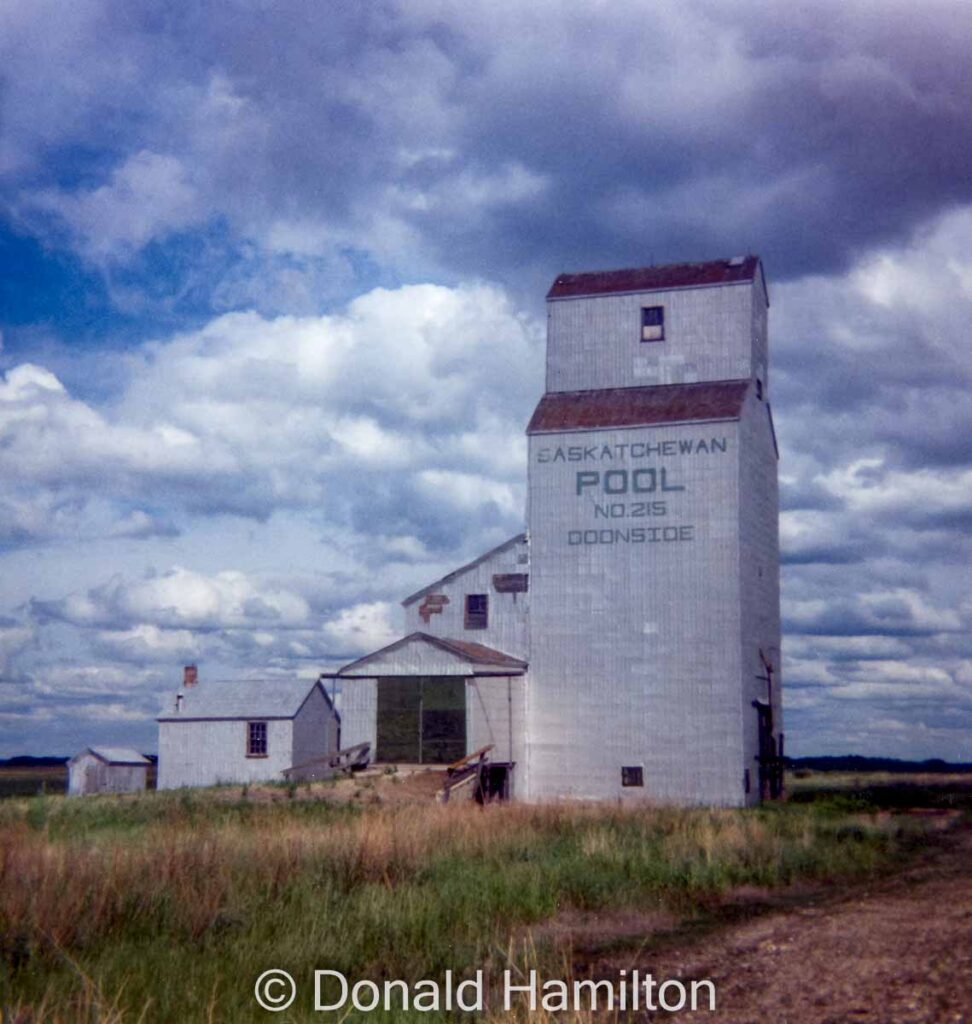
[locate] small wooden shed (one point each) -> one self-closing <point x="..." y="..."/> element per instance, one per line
<point x="107" y="770"/>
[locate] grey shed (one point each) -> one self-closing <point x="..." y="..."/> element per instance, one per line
<point x="107" y="770"/>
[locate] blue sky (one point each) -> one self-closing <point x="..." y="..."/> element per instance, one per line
<point x="272" y="323"/>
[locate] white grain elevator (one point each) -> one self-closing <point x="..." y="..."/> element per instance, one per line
<point x="628" y="645"/>
<point x="654" y="656"/>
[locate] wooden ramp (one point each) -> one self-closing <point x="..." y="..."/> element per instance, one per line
<point x="466" y="771"/>
<point x="342" y="762"/>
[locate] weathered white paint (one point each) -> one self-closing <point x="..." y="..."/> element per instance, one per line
<point x="211" y="751"/>
<point x="646" y="654"/>
<point x="89" y="774"/>
<point x="635" y="657"/>
<point x="644" y="651"/>
<point x="496" y="714"/>
<point x="759" y="574"/>
<point x="208" y="753"/>
<point x="595" y="341"/>
<point x="358" y="703"/>
<point x="508" y="623"/>
<point x="417" y="656"/>
<point x="315" y="728"/>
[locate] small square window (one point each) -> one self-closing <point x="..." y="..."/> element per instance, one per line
<point x="477" y="611"/>
<point x="652" y="323"/>
<point x="632" y="775"/>
<point x="256" y="739"/>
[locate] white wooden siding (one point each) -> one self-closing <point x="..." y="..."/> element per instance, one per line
<point x="315" y="730"/>
<point x="595" y="341"/>
<point x="206" y="753"/>
<point x="635" y="655"/>
<point x="508" y="628"/>
<point x="88" y="774"/>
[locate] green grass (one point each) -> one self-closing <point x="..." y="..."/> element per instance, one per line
<point x="167" y="906"/>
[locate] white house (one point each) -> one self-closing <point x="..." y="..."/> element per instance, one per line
<point x="107" y="770"/>
<point x="628" y="644"/>
<point x="246" y="731"/>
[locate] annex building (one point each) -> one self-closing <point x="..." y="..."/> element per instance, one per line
<point x="247" y="731"/>
<point x="628" y="643"/>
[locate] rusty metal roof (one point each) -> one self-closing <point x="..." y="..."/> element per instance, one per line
<point x="657" y="278"/>
<point x="487" y="660"/>
<point x="479" y="653"/>
<point x="637" y="407"/>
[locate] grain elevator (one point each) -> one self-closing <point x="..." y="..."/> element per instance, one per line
<point x="628" y="644"/>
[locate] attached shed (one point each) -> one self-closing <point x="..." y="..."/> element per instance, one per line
<point x="249" y="731"/>
<point x="432" y="700"/>
<point x="107" y="770"/>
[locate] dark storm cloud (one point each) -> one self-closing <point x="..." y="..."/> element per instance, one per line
<point x="498" y="141"/>
<point x="165" y="166"/>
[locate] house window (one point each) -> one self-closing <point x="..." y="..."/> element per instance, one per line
<point x="652" y="323"/>
<point x="256" y="739"/>
<point x="759" y="389"/>
<point x="632" y="775"/>
<point x="477" y="611"/>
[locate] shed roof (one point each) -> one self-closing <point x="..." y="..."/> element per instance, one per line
<point x="114" y="755"/>
<point x="479" y="654"/>
<point x="631" y="407"/>
<point x="449" y="657"/>
<point x="662" y="277"/>
<point x="249" y="698"/>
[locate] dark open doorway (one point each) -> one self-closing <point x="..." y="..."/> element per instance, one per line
<point x="495" y="782"/>
<point x="421" y="719"/>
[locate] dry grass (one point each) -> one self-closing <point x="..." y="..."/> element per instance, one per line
<point x="166" y="907"/>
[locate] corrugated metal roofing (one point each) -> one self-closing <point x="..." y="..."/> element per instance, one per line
<point x="633" y="407"/>
<point x="267" y="698"/>
<point x="479" y="654"/>
<point x="119" y="755"/>
<point x="657" y="278"/>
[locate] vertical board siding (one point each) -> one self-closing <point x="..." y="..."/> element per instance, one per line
<point x="315" y="730"/>
<point x="496" y="714"/>
<point x="206" y="753"/>
<point x="759" y="560"/>
<point x="635" y="656"/>
<point x="595" y="342"/>
<point x="648" y="605"/>
<point x="89" y="774"/>
<point x="358" y="704"/>
<point x="508" y="629"/>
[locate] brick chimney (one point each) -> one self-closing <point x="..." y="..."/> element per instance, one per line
<point x="190" y="676"/>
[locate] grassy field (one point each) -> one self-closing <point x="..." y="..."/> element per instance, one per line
<point x="167" y="906"/>
<point x="32" y="781"/>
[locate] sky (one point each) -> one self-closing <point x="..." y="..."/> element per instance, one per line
<point x="273" y="324"/>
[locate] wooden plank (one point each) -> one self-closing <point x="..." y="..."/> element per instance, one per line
<point x="482" y="752"/>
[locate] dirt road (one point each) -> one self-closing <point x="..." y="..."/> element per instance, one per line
<point x="897" y="952"/>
